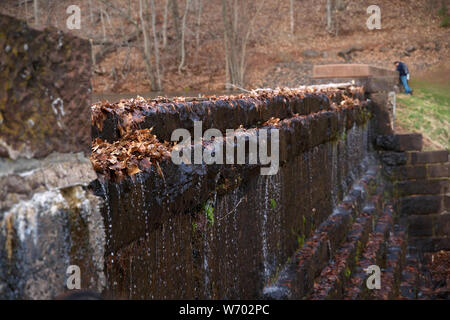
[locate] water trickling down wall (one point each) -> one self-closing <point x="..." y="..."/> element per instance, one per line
<point x="197" y="231"/>
<point x="225" y="231"/>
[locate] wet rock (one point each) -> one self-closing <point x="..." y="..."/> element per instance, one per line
<point x="410" y="49"/>
<point x="41" y="237"/>
<point x="46" y="84"/>
<point x="22" y="178"/>
<point x="347" y="53"/>
<point x="309" y="53"/>
<point x="394" y="158"/>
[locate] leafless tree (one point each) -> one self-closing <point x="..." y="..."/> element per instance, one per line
<point x="329" y="9"/>
<point x="183" y="33"/>
<point x="36" y="12"/>
<point x="102" y="19"/>
<point x="165" y="21"/>
<point x="198" y="25"/>
<point x="292" y="16"/>
<point x="158" y="86"/>
<point x="91" y="11"/>
<point x="334" y="11"/>
<point x="236" y="35"/>
<point x="147" y="54"/>
<point x="176" y="19"/>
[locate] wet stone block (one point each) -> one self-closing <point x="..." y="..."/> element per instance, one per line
<point x="439" y="170"/>
<point x="382" y="112"/>
<point x="420" y="226"/>
<point x="400" y="142"/>
<point x="429" y="157"/>
<point x="442" y="225"/>
<point x="420" y="205"/>
<point x="394" y="158"/>
<point x="407" y="172"/>
<point x="431" y="244"/>
<point x="406" y="188"/>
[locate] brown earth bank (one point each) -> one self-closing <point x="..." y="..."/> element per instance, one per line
<point x="410" y="31"/>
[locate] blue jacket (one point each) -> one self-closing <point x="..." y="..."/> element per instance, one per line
<point x="403" y="69"/>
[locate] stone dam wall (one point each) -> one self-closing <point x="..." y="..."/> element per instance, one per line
<point x="223" y="231"/>
<point x="348" y="193"/>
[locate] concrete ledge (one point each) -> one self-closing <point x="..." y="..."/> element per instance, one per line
<point x="351" y="71"/>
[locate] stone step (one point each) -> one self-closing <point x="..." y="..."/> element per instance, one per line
<point x="409" y="285"/>
<point x="334" y="276"/>
<point x="373" y="254"/>
<point x="423" y="187"/>
<point x="392" y="158"/>
<point x="417" y="281"/>
<point x="418" y="172"/>
<point x="423" y="204"/>
<point x="296" y="279"/>
<point x="392" y="270"/>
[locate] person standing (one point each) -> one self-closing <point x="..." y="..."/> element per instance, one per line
<point x="404" y="75"/>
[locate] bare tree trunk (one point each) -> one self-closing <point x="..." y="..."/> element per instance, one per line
<point x="227" y="66"/>
<point x="199" y="22"/>
<point x="91" y="12"/>
<point x="176" y="18"/>
<point x="335" y="9"/>
<point x="236" y="37"/>
<point x="245" y="41"/>
<point x="36" y="12"/>
<point x="26" y="11"/>
<point x="329" y="15"/>
<point x="94" y="62"/>
<point x="226" y="36"/>
<point x="164" y="32"/>
<point x="231" y="41"/>
<point x="292" y="15"/>
<point x="102" y="19"/>
<point x="146" y="44"/>
<point x="158" y="86"/>
<point x="183" y="32"/>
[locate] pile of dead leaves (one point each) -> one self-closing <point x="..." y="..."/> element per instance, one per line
<point x="439" y="266"/>
<point x="134" y="152"/>
<point x="272" y="122"/>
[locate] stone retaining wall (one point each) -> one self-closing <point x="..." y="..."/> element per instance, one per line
<point x="49" y="219"/>
<point x="223" y="231"/>
<point x="421" y="187"/>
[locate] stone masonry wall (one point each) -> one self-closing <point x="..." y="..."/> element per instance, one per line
<point x="224" y="231"/>
<point x="49" y="219"/>
<point x="421" y="186"/>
